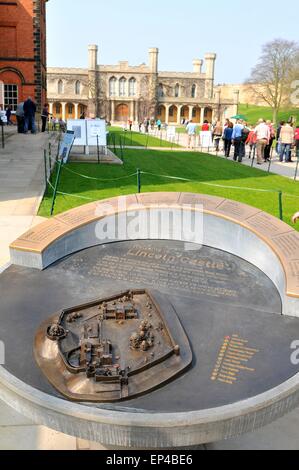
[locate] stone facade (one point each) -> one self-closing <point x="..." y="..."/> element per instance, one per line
<point x="22" y="51"/>
<point x="122" y="92"/>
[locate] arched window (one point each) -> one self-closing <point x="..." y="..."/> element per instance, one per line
<point x="77" y="87"/>
<point x="177" y="90"/>
<point x="161" y="91"/>
<point x="122" y="86"/>
<point x="60" y="87"/>
<point x="112" y="86"/>
<point x="193" y="91"/>
<point x="132" y="87"/>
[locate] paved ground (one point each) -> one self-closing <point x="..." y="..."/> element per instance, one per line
<point x="21" y="186"/>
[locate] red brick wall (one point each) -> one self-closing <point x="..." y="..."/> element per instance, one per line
<point x="23" y="47"/>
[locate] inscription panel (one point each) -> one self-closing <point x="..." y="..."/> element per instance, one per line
<point x="236" y="210"/>
<point x="208" y="202"/>
<point x="288" y="245"/>
<point x="161" y="265"/>
<point x="266" y="224"/>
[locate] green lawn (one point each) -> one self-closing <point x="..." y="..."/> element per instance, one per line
<point x="201" y="168"/>
<point x="254" y="113"/>
<point x="135" y="139"/>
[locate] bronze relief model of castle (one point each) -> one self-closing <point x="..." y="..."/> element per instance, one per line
<point x="113" y="349"/>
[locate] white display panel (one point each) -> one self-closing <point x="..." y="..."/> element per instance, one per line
<point x="78" y="126"/>
<point x="206" y="139"/>
<point x="96" y="132"/>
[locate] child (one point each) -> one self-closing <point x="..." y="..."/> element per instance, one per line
<point x="251" y="141"/>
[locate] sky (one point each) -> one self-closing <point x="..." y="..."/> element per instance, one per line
<point x="182" y="30"/>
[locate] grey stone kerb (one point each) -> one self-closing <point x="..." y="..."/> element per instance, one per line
<point x="236" y="228"/>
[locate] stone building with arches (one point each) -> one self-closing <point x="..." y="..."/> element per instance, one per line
<point x="123" y="92"/>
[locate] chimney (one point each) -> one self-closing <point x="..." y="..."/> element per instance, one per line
<point x="197" y="66"/>
<point x="153" y="59"/>
<point x="93" y="57"/>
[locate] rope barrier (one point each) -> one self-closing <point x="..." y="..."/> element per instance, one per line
<point x="94" y="178"/>
<point x="211" y="184"/>
<point x="68" y="194"/>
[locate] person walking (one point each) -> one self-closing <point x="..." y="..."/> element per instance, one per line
<point x="29" y="115"/>
<point x="268" y="148"/>
<point x="286" y="141"/>
<point x="217" y="133"/>
<point x="278" y="143"/>
<point x="227" y="136"/>
<point x="159" y="124"/>
<point x="205" y="126"/>
<point x="239" y="145"/>
<point x="262" y="133"/>
<point x="20" y="118"/>
<point x="8" y="116"/>
<point x="251" y="141"/>
<point x="45" y="117"/>
<point x="191" y="131"/>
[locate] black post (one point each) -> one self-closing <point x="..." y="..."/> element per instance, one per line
<point x="56" y="185"/>
<point x="98" y="149"/>
<point x="138" y="181"/>
<point x="121" y="149"/>
<point x="270" y="161"/>
<point x="296" y="171"/>
<point x="280" y="205"/>
<point x="2" y="134"/>
<point x="46" y="171"/>
<point x="58" y="148"/>
<point x="253" y="157"/>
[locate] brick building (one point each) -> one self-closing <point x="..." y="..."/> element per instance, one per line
<point x="22" y="51"/>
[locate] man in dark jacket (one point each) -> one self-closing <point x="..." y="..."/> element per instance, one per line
<point x="29" y="115"/>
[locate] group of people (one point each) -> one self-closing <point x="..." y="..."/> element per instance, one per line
<point x="259" y="139"/>
<point x="25" y="115"/>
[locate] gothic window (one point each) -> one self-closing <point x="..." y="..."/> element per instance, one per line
<point x="112" y="86"/>
<point x="132" y="87"/>
<point x="122" y="86"/>
<point x="177" y="90"/>
<point x="77" y="87"/>
<point x="193" y="91"/>
<point x="161" y="93"/>
<point x="60" y="87"/>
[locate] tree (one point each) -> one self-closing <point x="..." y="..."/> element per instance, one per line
<point x="271" y="78"/>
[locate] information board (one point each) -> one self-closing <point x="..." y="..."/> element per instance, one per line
<point x="96" y="132"/>
<point x="171" y="132"/>
<point x="205" y="139"/>
<point x="78" y="126"/>
<point x="66" y="146"/>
